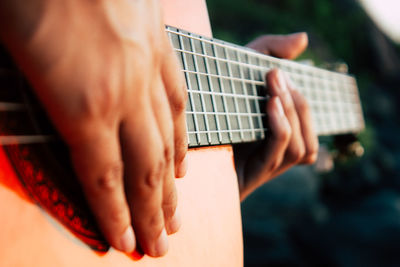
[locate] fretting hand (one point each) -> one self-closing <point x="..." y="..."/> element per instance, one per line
<point x="292" y="139"/>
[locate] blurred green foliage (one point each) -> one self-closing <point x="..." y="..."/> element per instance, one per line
<point x="338" y="27"/>
<point x="339" y="31"/>
<point x="360" y="199"/>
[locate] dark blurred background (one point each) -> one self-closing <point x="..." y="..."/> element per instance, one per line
<point x="349" y="216"/>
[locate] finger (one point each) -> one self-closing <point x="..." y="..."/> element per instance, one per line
<point x="270" y="158"/>
<point x="278" y="87"/>
<point x="307" y="129"/>
<point x="165" y="125"/>
<point x="170" y="199"/>
<point x="175" y="87"/>
<point x="99" y="167"/>
<point x="142" y="148"/>
<point x="282" y="46"/>
<point x="281" y="133"/>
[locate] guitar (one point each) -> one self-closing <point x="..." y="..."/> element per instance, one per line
<point x="45" y="219"/>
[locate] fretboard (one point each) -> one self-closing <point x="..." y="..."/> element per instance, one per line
<point x="226" y="83"/>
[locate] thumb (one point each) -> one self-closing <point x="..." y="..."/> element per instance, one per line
<point x="282" y="46"/>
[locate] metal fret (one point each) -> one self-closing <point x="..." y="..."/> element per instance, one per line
<point x="208" y="69"/>
<point x="231" y="74"/>
<point x="256" y="103"/>
<point x="248" y="120"/>
<point x="191" y="101"/>
<point x="321" y="97"/>
<point x="200" y="85"/>
<point x="341" y="105"/>
<point x="235" y="79"/>
<point x="335" y="114"/>
<point x="259" y="98"/>
<point x="225" y="94"/>
<point x="319" y="100"/>
<point x="274" y="62"/>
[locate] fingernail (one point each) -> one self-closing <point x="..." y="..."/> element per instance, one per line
<point x="162" y="244"/>
<point x="128" y="242"/>
<point x="182" y="168"/>
<point x="279" y="107"/>
<point x="175" y="223"/>
<point x="281" y="81"/>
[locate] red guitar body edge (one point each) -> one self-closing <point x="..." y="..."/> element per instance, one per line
<point x="211" y="232"/>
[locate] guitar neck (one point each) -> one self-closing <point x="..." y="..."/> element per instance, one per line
<point x="226" y="84"/>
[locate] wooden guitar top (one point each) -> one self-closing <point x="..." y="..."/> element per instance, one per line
<point x="208" y="200"/>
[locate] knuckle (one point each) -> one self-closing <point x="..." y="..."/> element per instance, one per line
<point x="313" y="151"/>
<point x="169" y="204"/>
<point x="184" y="91"/>
<point x="153" y="178"/>
<point x="110" y="180"/>
<point x="178" y="101"/>
<point x="155" y="223"/>
<point x="156" y="41"/>
<point x="296" y="153"/>
<point x="180" y="148"/>
<point x="117" y="215"/>
<point x="274" y="165"/>
<point x="95" y="103"/>
<point x="312" y="155"/>
<point x="168" y="154"/>
<point x="311" y="159"/>
<point x="284" y="132"/>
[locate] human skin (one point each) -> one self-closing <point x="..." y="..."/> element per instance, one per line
<point x="110" y="82"/>
<point x="292" y="140"/>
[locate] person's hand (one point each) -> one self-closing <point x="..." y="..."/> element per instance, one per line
<point x="292" y="139"/>
<point x="110" y="81"/>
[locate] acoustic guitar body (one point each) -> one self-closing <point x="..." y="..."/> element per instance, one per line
<point x="211" y="233"/>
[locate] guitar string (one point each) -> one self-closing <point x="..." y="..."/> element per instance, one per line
<point x="226" y="131"/>
<point x="212" y="89"/>
<point x="21" y="107"/>
<point x="40" y="138"/>
<point x="327" y="92"/>
<point x="202" y="101"/>
<point x="255" y="54"/>
<point x="10" y="106"/>
<point x="31" y="139"/>
<point x="344" y="125"/>
<point x="350" y="80"/>
<point x="344" y="79"/>
<point x="244" y="80"/>
<point x="343" y="94"/>
<point x="234" y="90"/>
<point x="24" y="139"/>
<point x="247" y="103"/>
<point x="319" y="104"/>
<point x="218" y="70"/>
